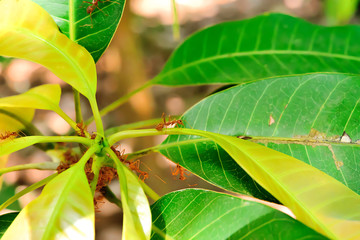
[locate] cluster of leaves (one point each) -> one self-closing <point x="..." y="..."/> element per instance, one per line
<point x="296" y="92"/>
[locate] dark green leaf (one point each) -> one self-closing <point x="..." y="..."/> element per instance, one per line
<point x="5" y="221"/>
<point x="95" y="31"/>
<point x="310" y="114"/>
<point x="201" y="214"/>
<point x="6" y="192"/>
<point x="261" y="47"/>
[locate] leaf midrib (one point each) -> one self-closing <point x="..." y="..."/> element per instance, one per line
<point x="253" y="53"/>
<point x="308" y="141"/>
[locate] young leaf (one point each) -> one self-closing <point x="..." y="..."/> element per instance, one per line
<point x="5" y="221"/>
<point x="136" y="208"/>
<point x="64" y="210"/>
<point x="261" y="47"/>
<point x="27" y="31"/>
<point x="200" y="214"/>
<point x="310" y="114"/>
<point x="95" y="30"/>
<point x="12" y="145"/>
<point x="14" y="119"/>
<point x="316" y="199"/>
<point x="46" y="97"/>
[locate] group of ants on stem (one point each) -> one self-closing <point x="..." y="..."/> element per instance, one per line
<point x="106" y="174"/>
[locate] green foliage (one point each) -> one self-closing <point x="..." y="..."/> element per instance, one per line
<point x="265" y="46"/>
<point x="93" y="31"/>
<point x="6" y="192"/>
<point x="195" y="213"/>
<point x="5" y="221"/>
<point x="286" y="131"/>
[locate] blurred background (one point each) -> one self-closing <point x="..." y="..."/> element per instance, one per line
<point x="137" y="53"/>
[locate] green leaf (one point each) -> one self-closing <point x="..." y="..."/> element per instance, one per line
<point x="316" y="199"/>
<point x="27" y="31"/>
<point x="12" y="145"/>
<point x="310" y="114"/>
<point x="14" y="119"/>
<point x="64" y="210"/>
<point x="95" y="31"/>
<point x="7" y="191"/>
<point x="265" y="46"/>
<point x="45" y="97"/>
<point x="5" y="221"/>
<point x="136" y="208"/>
<point x="200" y="214"/>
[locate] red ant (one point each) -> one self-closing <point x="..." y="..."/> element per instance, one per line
<point x="180" y="170"/>
<point x="135" y="166"/>
<point x="8" y="135"/>
<point x="161" y="125"/>
<point x="95" y="4"/>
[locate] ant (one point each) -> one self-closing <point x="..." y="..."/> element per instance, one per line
<point x="7" y="135"/>
<point x="161" y="125"/>
<point x="180" y="170"/>
<point x="95" y="4"/>
<point x="135" y="166"/>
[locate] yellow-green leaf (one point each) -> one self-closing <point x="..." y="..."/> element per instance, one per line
<point x="45" y="97"/>
<point x="64" y="210"/>
<point x="136" y="208"/>
<point x="318" y="200"/>
<point x="27" y="31"/>
<point x="9" y="118"/>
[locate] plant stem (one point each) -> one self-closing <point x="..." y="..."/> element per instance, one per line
<point x="119" y="102"/>
<point x="64" y="116"/>
<point x="96" y="165"/>
<point x="77" y="103"/>
<point x="75" y="139"/>
<point x="135" y="125"/>
<point x="27" y="190"/>
<point x="97" y="117"/>
<point x="110" y="196"/>
<point x="176" y="27"/>
<point x="39" y="166"/>
<point x="148" y="190"/>
<point x="141" y="153"/>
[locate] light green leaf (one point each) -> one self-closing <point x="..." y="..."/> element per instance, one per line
<point x="261" y="47"/>
<point x="27" y="31"/>
<point x="14" y="119"/>
<point x="94" y="31"/>
<point x="310" y="114"/>
<point x="200" y="214"/>
<point x="45" y="97"/>
<point x="136" y="208"/>
<point x="12" y="145"/>
<point x="316" y="199"/>
<point x="64" y="210"/>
